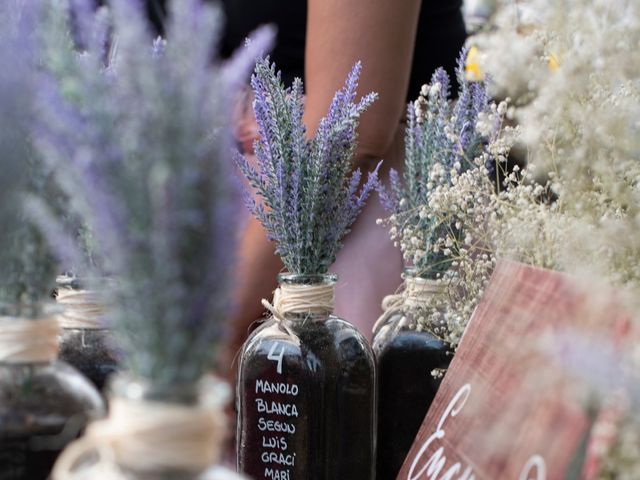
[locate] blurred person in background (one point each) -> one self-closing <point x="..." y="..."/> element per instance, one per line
<point x="400" y="44"/>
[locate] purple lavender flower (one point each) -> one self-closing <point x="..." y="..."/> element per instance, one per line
<point x="138" y="141"/>
<point x="436" y="134"/>
<point x="311" y="196"/>
<point x="27" y="266"/>
<point x="473" y="99"/>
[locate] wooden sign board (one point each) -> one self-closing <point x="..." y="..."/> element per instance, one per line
<point x="506" y="408"/>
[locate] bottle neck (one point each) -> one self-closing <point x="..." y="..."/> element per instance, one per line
<point x="418" y="290"/>
<point x="25" y="341"/>
<point x="411" y="271"/>
<point x="304" y="297"/>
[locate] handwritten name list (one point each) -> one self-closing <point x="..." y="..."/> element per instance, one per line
<point x="277" y="413"/>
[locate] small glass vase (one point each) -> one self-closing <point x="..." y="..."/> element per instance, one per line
<point x="209" y="396"/>
<point x="410" y="363"/>
<point x="85" y="342"/>
<point x="43" y="407"/>
<point x="306" y="397"/>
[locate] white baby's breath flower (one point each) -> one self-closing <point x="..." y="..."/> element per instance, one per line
<point x="434" y="90"/>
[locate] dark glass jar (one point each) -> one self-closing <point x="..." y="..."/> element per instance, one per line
<point x="43" y="407"/>
<point x="410" y="363"/>
<point x="85" y="342"/>
<point x="306" y="396"/>
<point x="143" y="401"/>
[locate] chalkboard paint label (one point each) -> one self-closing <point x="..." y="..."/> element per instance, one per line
<point x="277" y="413"/>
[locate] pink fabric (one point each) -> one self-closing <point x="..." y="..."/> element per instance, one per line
<point x="368" y="266"/>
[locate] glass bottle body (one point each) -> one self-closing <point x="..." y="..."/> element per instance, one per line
<point x="405" y="359"/>
<point x="306" y="401"/>
<point x="43" y="407"/>
<point x="90" y="351"/>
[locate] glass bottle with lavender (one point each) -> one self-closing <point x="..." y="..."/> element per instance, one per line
<point x="443" y="142"/>
<point x="160" y="202"/>
<point x="411" y="362"/>
<point x="44" y="403"/>
<point x="306" y="390"/>
<point x="306" y="393"/>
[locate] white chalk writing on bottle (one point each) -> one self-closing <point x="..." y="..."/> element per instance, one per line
<point x="278" y="411"/>
<point x="276" y="357"/>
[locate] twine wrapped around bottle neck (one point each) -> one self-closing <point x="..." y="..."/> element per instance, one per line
<point x="82" y="310"/>
<point x="301" y="299"/>
<point x="28" y="340"/>
<point x="146" y="437"/>
<point x="418" y="290"/>
<point x="414" y="292"/>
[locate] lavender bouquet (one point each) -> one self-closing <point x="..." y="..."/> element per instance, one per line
<point x="134" y="129"/>
<point x="44" y="401"/>
<point x="310" y="196"/>
<point x="441" y="143"/>
<point x="27" y="266"/>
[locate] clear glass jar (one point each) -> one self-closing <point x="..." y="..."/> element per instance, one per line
<point x="306" y="397"/>
<point x="89" y="348"/>
<point x="43" y="407"/>
<point x="405" y="359"/>
<point x="90" y="352"/>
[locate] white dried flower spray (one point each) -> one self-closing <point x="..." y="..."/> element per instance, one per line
<point x="438" y="216"/>
<point x="574" y="73"/>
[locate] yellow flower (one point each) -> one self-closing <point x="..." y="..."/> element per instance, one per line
<point x="553" y="62"/>
<point x="473" y="72"/>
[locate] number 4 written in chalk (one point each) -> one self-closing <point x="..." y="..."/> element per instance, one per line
<point x="276" y="357"/>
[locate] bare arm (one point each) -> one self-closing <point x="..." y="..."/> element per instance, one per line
<point x="380" y="33"/>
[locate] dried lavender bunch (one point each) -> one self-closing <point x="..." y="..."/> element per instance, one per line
<point x="310" y="197"/>
<point x="27" y="266"/>
<point x="71" y="238"/>
<point x="141" y="149"/>
<point x="441" y="142"/>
